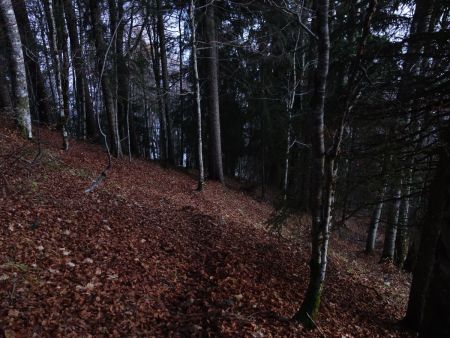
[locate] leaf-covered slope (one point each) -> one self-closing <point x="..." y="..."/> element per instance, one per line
<point x="147" y="255"/>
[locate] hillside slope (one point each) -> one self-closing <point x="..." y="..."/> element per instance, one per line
<point x="147" y="255"/>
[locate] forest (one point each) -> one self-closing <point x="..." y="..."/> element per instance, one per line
<point x="206" y="168"/>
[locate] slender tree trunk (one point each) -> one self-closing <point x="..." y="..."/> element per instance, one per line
<point x="83" y="97"/>
<point x="215" y="143"/>
<point x="401" y="245"/>
<point x="392" y="224"/>
<point x="374" y="222"/>
<point x="32" y="61"/>
<point x="165" y="81"/>
<point x="182" y="125"/>
<point x="320" y="227"/>
<point x="163" y="127"/>
<point x="201" y="173"/>
<point x="106" y="85"/>
<point x="63" y="54"/>
<point x="49" y="7"/>
<point x="17" y="66"/>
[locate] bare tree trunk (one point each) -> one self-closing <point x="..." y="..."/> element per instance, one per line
<point x="320" y="227"/>
<point x="17" y="66"/>
<point x="163" y="127"/>
<point x="201" y="173"/>
<point x="83" y="96"/>
<point x="374" y="222"/>
<point x="392" y="223"/>
<point x="401" y="245"/>
<point x="165" y="81"/>
<point x="108" y="97"/>
<point x="32" y="61"/>
<point x="215" y="143"/>
<point x="428" y="305"/>
<point x="49" y="6"/>
<point x="436" y="317"/>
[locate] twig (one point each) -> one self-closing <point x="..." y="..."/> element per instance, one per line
<point x="317" y="326"/>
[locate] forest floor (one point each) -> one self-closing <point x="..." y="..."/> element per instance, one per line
<point x="147" y="255"/>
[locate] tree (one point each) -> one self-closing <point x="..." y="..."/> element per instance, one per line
<point x="320" y="227"/>
<point x="106" y="86"/>
<point x="17" y="66"/>
<point x="198" y="106"/>
<point x="215" y="142"/>
<point x="32" y="64"/>
<point x="83" y="97"/>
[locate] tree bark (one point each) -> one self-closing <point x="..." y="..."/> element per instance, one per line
<point x="32" y="61"/>
<point x="320" y="227"/>
<point x="83" y="97"/>
<point x="374" y="222"/>
<point x="215" y="143"/>
<point x="57" y="57"/>
<point x="165" y="82"/>
<point x="392" y="224"/>
<point x="436" y="321"/>
<point x="429" y="299"/>
<point x="17" y="66"/>
<point x="201" y="173"/>
<point x="163" y="127"/>
<point x="108" y="97"/>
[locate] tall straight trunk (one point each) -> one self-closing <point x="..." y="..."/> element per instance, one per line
<point x="32" y="61"/>
<point x="401" y="245"/>
<point x="61" y="35"/>
<point x="436" y="317"/>
<point x="320" y="227"/>
<point x="165" y="81"/>
<point x="374" y="222"/>
<point x="57" y="57"/>
<point x="392" y="224"/>
<point x="290" y="106"/>
<point x="182" y="125"/>
<point x="47" y="51"/>
<point x="83" y="97"/>
<point x="428" y="305"/>
<point x="412" y="67"/>
<point x="106" y="85"/>
<point x="163" y="127"/>
<point x="17" y="67"/>
<point x="121" y="73"/>
<point x="201" y="173"/>
<point x="215" y="143"/>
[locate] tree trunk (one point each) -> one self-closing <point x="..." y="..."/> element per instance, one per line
<point x="108" y="97"/>
<point x="429" y="298"/>
<point x="57" y="57"/>
<point x="320" y="228"/>
<point x="391" y="227"/>
<point x="165" y="81"/>
<point x="17" y="66"/>
<point x="32" y="61"/>
<point x="436" y="321"/>
<point x="374" y="222"/>
<point x="215" y="143"/>
<point x="163" y="127"/>
<point x="83" y="97"/>
<point x="201" y="173"/>
<point x="401" y="245"/>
